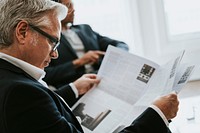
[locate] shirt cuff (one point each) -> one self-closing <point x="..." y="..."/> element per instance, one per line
<point x="74" y="89"/>
<point x="160" y="113"/>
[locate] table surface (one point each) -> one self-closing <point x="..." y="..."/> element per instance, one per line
<point x="191" y="89"/>
<point x="188" y="116"/>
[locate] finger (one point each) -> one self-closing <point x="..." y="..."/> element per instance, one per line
<point x="93" y="58"/>
<point x="172" y="96"/>
<point x="91" y="75"/>
<point x="100" y="52"/>
<point x="94" y="81"/>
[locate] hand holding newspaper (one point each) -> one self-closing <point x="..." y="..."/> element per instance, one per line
<point x="129" y="84"/>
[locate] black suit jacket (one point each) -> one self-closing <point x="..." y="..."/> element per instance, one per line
<point x="61" y="70"/>
<point x="26" y="106"/>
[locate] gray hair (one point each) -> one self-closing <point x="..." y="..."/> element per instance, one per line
<point x="32" y="11"/>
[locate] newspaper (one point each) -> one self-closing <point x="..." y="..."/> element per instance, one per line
<point x="129" y="84"/>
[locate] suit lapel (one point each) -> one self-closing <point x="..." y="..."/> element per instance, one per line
<point x="66" y="44"/>
<point x="86" y="35"/>
<point x="67" y="113"/>
<point x="81" y="36"/>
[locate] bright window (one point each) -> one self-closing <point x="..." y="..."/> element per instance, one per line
<point x="169" y="26"/>
<point x="110" y="18"/>
<point x="183" y="17"/>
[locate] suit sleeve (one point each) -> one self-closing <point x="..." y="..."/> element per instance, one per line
<point x="148" y="122"/>
<point x="104" y="41"/>
<point x="30" y="109"/>
<point x="67" y="94"/>
<point x="59" y="73"/>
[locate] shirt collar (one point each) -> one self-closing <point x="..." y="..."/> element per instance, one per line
<point x="33" y="71"/>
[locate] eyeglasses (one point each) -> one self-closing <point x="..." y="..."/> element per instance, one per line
<point x="54" y="40"/>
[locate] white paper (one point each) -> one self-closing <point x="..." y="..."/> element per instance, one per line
<point x="129" y="83"/>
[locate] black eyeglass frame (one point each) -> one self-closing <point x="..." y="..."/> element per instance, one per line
<point x="54" y="40"/>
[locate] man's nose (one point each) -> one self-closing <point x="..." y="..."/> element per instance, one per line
<point x="54" y="54"/>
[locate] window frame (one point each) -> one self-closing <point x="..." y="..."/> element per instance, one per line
<point x="157" y="44"/>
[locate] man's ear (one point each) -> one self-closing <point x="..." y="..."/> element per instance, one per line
<point x="21" y="31"/>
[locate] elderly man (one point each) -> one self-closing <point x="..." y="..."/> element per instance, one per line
<point x="29" y="36"/>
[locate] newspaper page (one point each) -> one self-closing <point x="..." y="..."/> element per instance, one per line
<point x="166" y="81"/>
<point x="125" y="79"/>
<point x="182" y="77"/>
